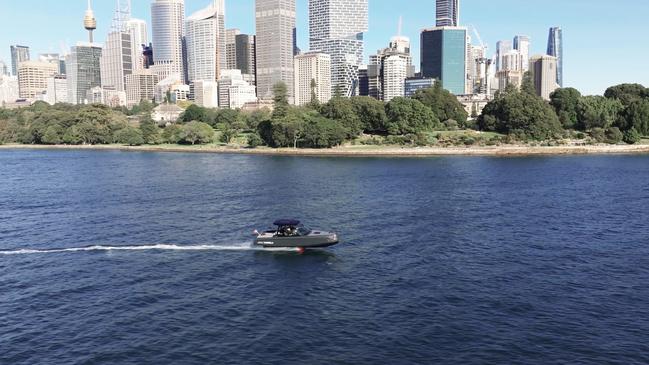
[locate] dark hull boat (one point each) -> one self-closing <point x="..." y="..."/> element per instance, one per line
<point x="290" y="234"/>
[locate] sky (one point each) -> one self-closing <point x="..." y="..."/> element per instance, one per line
<point x="605" y="42"/>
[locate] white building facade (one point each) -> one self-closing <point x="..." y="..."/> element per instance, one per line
<point x="168" y="29"/>
<point x="206" y="43"/>
<point x="57" y="90"/>
<point x="234" y="91"/>
<point x="137" y="28"/>
<point x="206" y="94"/>
<point x="312" y="68"/>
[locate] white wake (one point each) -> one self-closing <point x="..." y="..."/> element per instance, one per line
<point x="156" y="247"/>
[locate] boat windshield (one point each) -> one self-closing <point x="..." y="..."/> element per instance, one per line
<point x="291" y="231"/>
<point x="303" y="231"/>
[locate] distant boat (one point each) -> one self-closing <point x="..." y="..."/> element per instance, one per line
<point x="291" y="234"/>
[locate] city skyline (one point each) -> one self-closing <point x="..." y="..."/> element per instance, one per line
<point x="583" y="64"/>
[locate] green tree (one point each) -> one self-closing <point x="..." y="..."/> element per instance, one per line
<point x="150" y="131"/>
<point x="195" y="113"/>
<point x="172" y="134"/>
<point x="632" y="136"/>
<point x="565" y="102"/>
<point x="254" y="118"/>
<point x="129" y="136"/>
<point x="254" y="140"/>
<point x="197" y="132"/>
<point x="521" y="115"/>
<point x="228" y="117"/>
<point x="444" y="104"/>
<point x="409" y="116"/>
<point x="320" y="132"/>
<point x="280" y="99"/>
<point x="527" y="87"/>
<point x="53" y="134"/>
<point x="228" y="134"/>
<point x="597" y="112"/>
<point x="614" y="135"/>
<point x="371" y="113"/>
<point x="341" y="111"/>
<point x="635" y="115"/>
<point x="314" y="103"/>
<point x="627" y="93"/>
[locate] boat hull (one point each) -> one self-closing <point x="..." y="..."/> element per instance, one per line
<point x="306" y="242"/>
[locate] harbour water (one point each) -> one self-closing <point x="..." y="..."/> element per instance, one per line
<point x="145" y="258"/>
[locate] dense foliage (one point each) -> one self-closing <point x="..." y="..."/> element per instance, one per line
<point x="520" y="114"/>
<point x="514" y="115"/>
<point x="621" y="115"/>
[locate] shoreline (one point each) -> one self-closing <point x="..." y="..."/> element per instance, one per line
<point x="360" y="151"/>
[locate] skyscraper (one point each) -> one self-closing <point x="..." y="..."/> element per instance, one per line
<point x="18" y="54"/>
<point x="116" y="60"/>
<point x="443" y="57"/>
<point x="448" y="13"/>
<point x="168" y="28"/>
<point x="231" y="48"/>
<point x="83" y="66"/>
<point x="275" y="21"/>
<point x="246" y="57"/>
<point x="336" y="28"/>
<point x="206" y="43"/>
<point x="502" y="47"/>
<point x="544" y="74"/>
<point x="139" y="39"/>
<point x="522" y="44"/>
<point x="555" y="49"/>
<point x="117" y="55"/>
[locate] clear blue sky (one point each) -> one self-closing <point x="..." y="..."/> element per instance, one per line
<point x="605" y="41"/>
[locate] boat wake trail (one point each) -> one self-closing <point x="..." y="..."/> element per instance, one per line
<point x="155" y="247"/>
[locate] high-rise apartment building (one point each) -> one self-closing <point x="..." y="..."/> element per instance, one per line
<point x="555" y="49"/>
<point x="389" y="69"/>
<point x="18" y="54"/>
<point x="275" y="22"/>
<point x="544" y="74"/>
<point x="336" y="28"/>
<point x="137" y="28"/>
<point x="32" y="77"/>
<point x="140" y="86"/>
<point x="231" y="48"/>
<point x="116" y="60"/>
<point x="206" y="43"/>
<point x="312" y="77"/>
<point x="168" y="30"/>
<point x="522" y="44"/>
<point x="246" y="57"/>
<point x="448" y="13"/>
<point x="83" y="66"/>
<point x="57" y="90"/>
<point x="443" y="57"/>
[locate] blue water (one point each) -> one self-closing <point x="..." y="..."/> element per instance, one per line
<point x="455" y="260"/>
